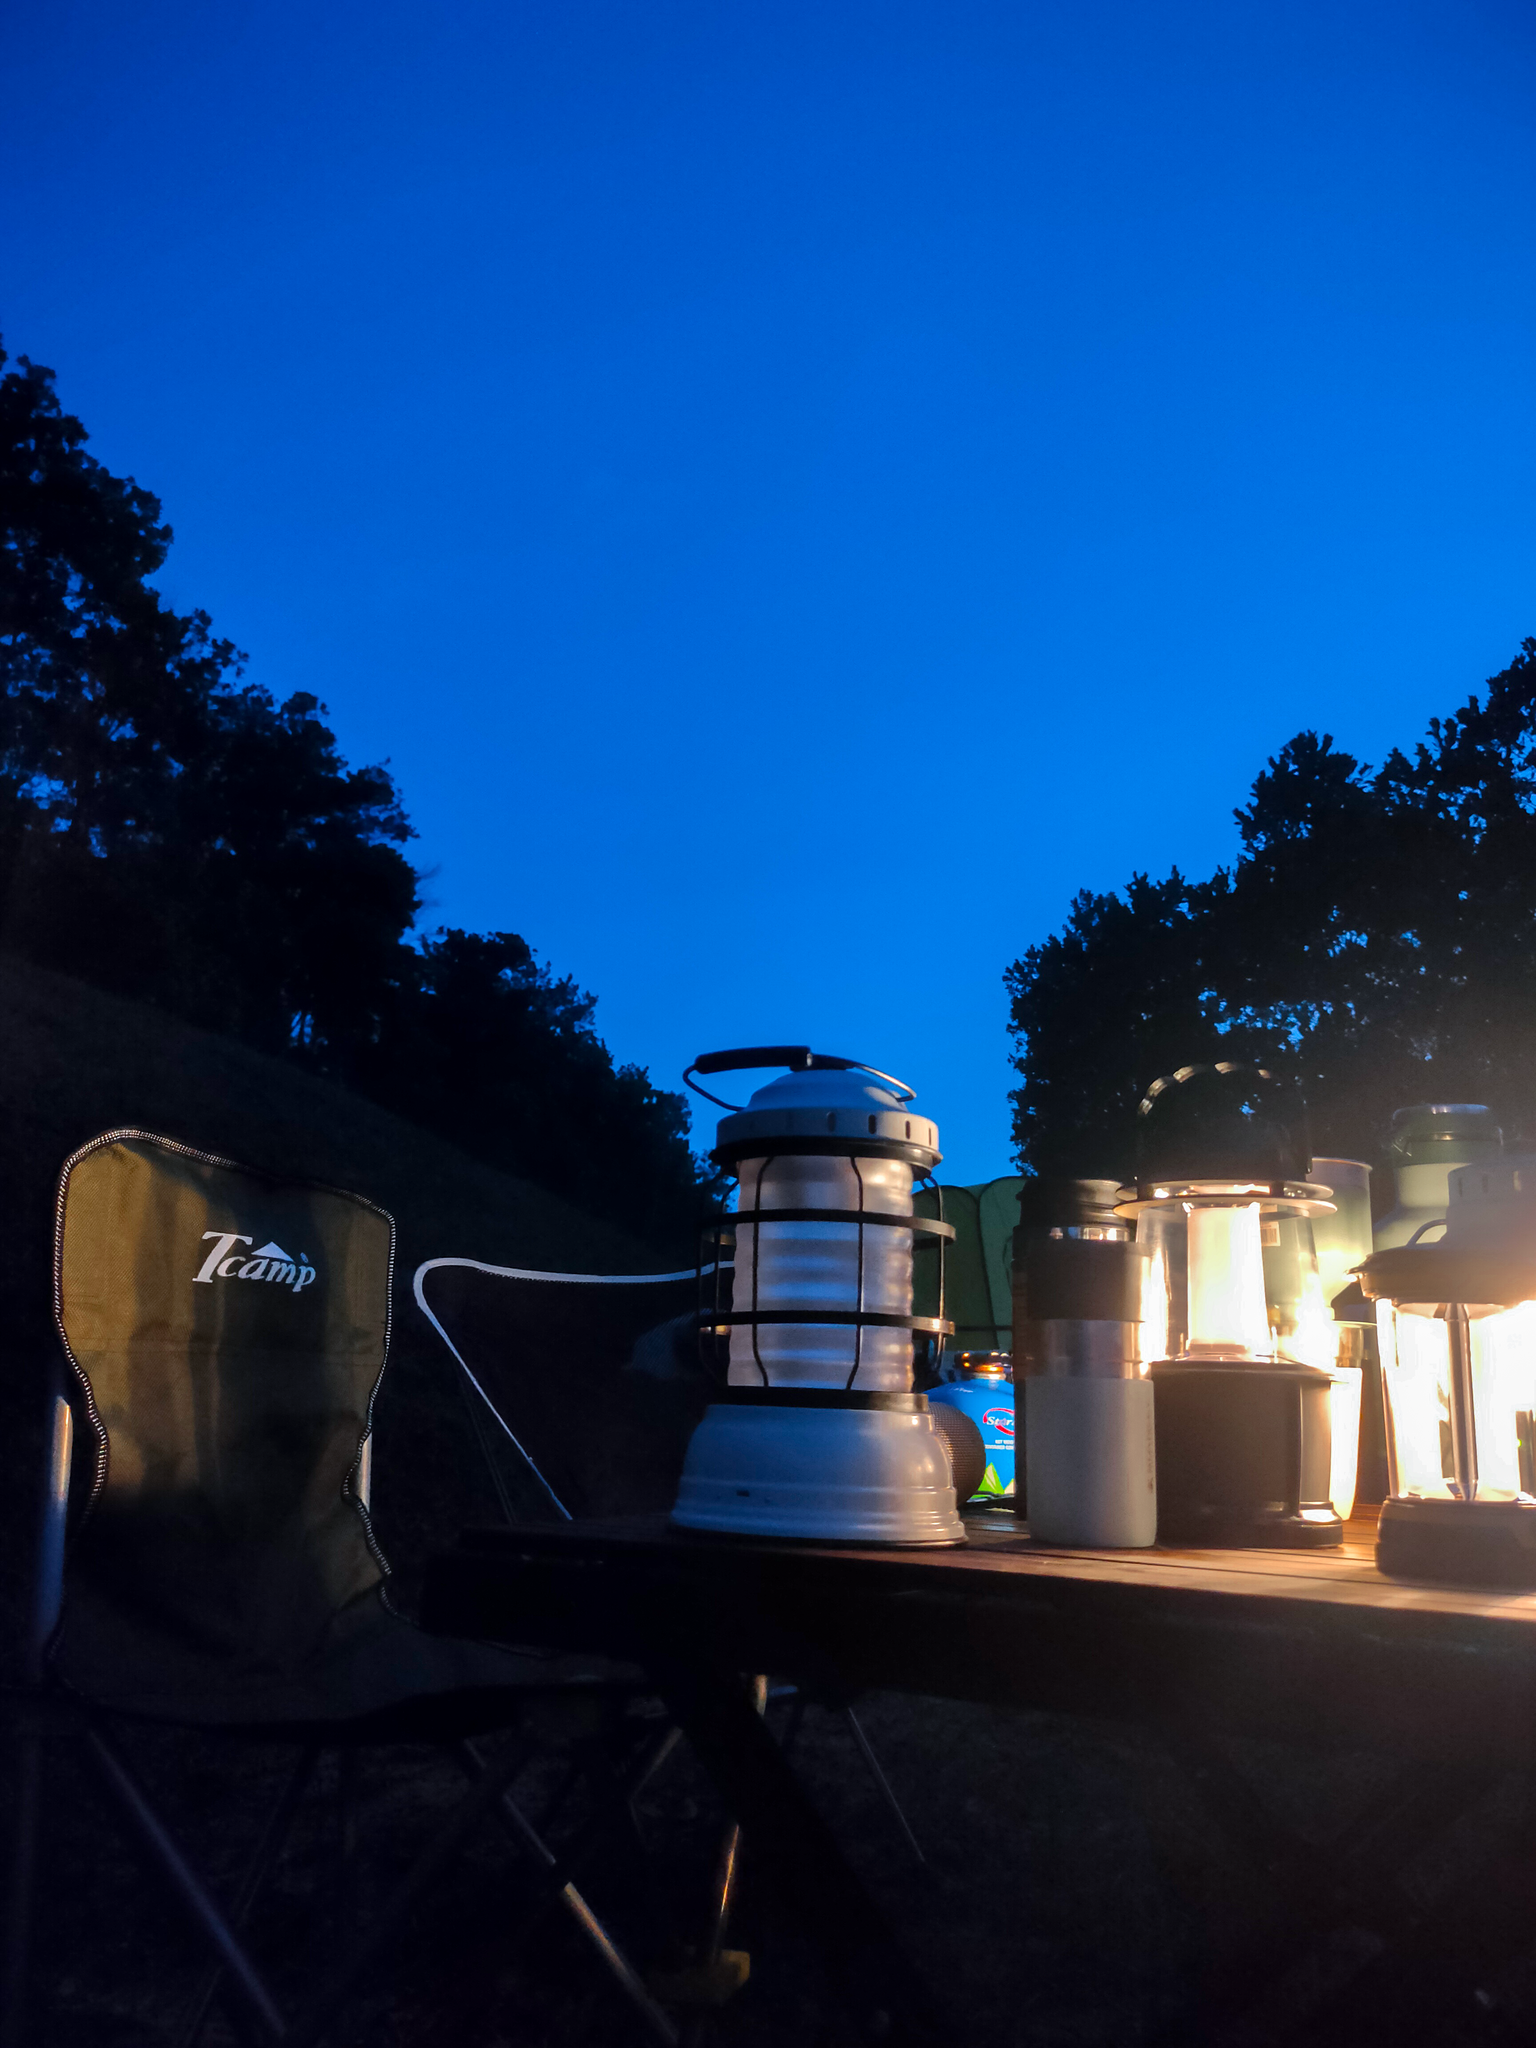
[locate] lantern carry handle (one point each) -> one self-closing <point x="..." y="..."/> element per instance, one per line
<point x="1434" y="1223"/>
<point x="798" y="1058"/>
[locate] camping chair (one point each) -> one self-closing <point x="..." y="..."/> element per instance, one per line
<point x="627" y="1344"/>
<point x="226" y="1333"/>
<point x="565" y="1428"/>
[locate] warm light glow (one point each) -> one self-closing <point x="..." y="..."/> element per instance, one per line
<point x="1503" y="1384"/>
<point x="1416" y="1374"/>
<point x="1227" y="1316"/>
<point x="1344" y="1411"/>
<point x="1314" y="1340"/>
<point x="1154" y="1306"/>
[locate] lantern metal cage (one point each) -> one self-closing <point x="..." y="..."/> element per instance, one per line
<point x="718" y="1239"/>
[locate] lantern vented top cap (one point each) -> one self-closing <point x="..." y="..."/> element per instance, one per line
<point x="825" y="1103"/>
<point x="1230" y="1121"/>
<point x="1443" y="1133"/>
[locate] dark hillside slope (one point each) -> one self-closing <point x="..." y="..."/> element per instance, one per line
<point x="75" y="1062"/>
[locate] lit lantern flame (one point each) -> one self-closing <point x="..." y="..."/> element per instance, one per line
<point x="1227" y="1316"/>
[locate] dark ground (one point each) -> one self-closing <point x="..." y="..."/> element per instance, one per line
<point x="1076" y="1896"/>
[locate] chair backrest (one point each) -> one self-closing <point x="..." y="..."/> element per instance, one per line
<point x="545" y="1356"/>
<point x="228" y="1331"/>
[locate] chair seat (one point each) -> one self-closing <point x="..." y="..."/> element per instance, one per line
<point x="374" y="1677"/>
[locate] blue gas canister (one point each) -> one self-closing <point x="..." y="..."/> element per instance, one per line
<point x="983" y="1390"/>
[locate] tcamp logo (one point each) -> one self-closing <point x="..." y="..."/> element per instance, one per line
<point x="270" y="1262"/>
<point x="1000" y="1419"/>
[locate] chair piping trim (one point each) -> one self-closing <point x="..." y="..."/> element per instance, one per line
<point x="526" y="1273"/>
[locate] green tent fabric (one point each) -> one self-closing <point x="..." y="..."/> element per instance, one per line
<point x="997" y="1215"/>
<point x="978" y="1275"/>
<point x="228" y="1332"/>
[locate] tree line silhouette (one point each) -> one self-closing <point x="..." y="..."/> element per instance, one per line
<point x="1376" y="935"/>
<point x="168" y="831"/>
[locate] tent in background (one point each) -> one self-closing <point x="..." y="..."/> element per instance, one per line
<point x="978" y="1272"/>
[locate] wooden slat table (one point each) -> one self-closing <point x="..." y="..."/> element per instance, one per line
<point x="1301" y="1645"/>
<point x="1313" y="1647"/>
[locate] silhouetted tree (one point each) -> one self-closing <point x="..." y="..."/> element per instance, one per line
<point x="486" y="1047"/>
<point x="1377" y="934"/>
<point x="165" y="830"/>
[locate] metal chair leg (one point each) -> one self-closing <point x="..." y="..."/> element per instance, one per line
<point x="124" y="1792"/>
<point x="32" y="1709"/>
<point x="346" y="1900"/>
<point x="883" y="1784"/>
<point x="273" y="1840"/>
<point x="318" y="2016"/>
<point x="22" y="1874"/>
<point x="657" y="2023"/>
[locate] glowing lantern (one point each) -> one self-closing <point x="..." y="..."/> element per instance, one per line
<point x="817" y="1431"/>
<point x="1457" y="1325"/>
<point x="1244" y="1376"/>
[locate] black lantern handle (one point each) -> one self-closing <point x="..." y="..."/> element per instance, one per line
<point x="798" y="1058"/>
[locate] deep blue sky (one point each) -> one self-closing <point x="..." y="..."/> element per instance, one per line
<point x="798" y="490"/>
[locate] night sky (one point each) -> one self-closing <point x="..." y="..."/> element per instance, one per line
<point x="797" y="491"/>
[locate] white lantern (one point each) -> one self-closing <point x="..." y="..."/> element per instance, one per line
<point x="817" y="1431"/>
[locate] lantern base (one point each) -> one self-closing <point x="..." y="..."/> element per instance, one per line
<point x="819" y="1466"/>
<point x="1459" y="1542"/>
<point x="1309" y="1528"/>
<point x="1244" y="1455"/>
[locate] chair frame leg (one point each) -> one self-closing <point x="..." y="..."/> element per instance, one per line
<point x="273" y="1841"/>
<point x="347" y="1902"/>
<point x="231" y="1972"/>
<point x="22" y="1875"/>
<point x="883" y="1784"/>
<point x="657" y="2022"/>
<point x="312" y="2025"/>
<point x="125" y="1794"/>
<point x="32" y="1713"/>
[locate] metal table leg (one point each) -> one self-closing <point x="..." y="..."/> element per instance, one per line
<point x="801" y="1855"/>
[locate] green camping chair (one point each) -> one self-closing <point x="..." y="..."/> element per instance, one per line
<point x="226" y="1333"/>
